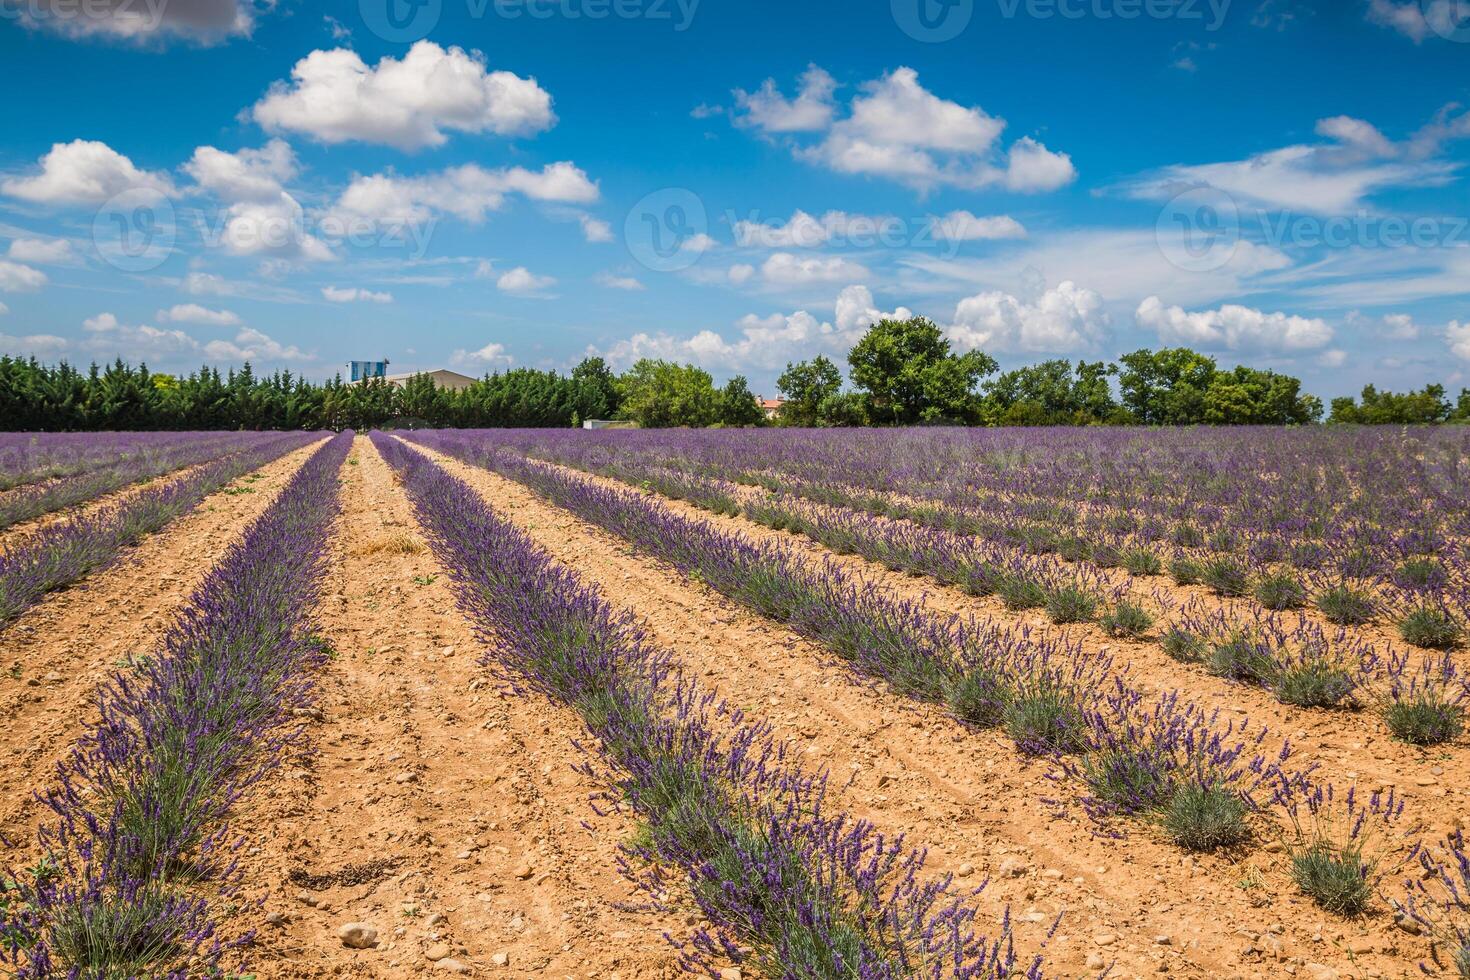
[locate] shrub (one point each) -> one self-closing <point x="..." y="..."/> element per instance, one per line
<point x="1020" y="593"/>
<point x="1424" y="718"/>
<point x="1205" y="817"/>
<point x="1126" y="621"/>
<point x="1343" y="606"/>
<point x="1336" y="879"/>
<point x="1140" y="562"/>
<point x="1183" y="646"/>
<point x="1071" y="605"/>
<point x="1225" y="577"/>
<point x="977" y="697"/>
<point x="1314" y="685"/>
<point x="1072" y="548"/>
<point x="1420" y="573"/>
<point x="1127" y="779"/>
<point x="1431" y="628"/>
<point x="1188" y="536"/>
<point x="1045" y="719"/>
<point x="1278" y="592"/>
<point x="1186" y="571"/>
<point x="1241" y="658"/>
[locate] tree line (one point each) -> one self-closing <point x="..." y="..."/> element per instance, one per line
<point x="902" y="372"/>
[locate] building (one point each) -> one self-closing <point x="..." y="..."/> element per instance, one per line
<point x="452" y="380"/>
<point x="772" y="406"/>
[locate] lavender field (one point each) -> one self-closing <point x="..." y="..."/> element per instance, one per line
<point x="806" y="703"/>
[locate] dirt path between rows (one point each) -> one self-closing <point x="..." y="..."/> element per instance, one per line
<point x="432" y="805"/>
<point x="1349" y="746"/>
<point x="53" y="657"/>
<point x="966" y="796"/>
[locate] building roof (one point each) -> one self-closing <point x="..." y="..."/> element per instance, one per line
<point x="443" y="377"/>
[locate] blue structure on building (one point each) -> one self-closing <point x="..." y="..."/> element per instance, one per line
<point x="362" y="370"/>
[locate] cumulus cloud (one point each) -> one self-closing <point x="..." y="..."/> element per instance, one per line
<point x="896" y="129"/>
<point x="55" y="251"/>
<point x="17" y="278"/>
<point x="85" y="172"/>
<point x="260" y="217"/>
<point x="741" y="273"/>
<point x="762" y="341"/>
<point x="523" y="282"/>
<point x="335" y="97"/>
<point x="785" y="269"/>
<point x="142" y="21"/>
<point x="109" y="336"/>
<point x="595" y="230"/>
<point x="1064" y="319"/>
<point x="619" y="282"/>
<point x="962" y="226"/>
<point x="768" y="111"/>
<point x="1391" y="326"/>
<point x="1457" y="335"/>
<point x="42" y="345"/>
<point x="489" y="356"/>
<point x="194" y="313"/>
<point x="1233" y="327"/>
<point x="466" y="192"/>
<point x="333" y="294"/>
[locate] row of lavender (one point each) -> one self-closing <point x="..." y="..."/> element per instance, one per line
<point x="63" y="553"/>
<point x="790" y="887"/>
<point x="1285" y="515"/>
<point x="1162" y="759"/>
<point x="136" y="874"/>
<point x="27" y="457"/>
<point x="26" y="503"/>
<point x="1308" y="661"/>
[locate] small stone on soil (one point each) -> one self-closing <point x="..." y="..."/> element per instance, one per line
<point x="358" y="935"/>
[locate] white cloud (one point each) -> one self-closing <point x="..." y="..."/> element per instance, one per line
<point x="771" y="112"/>
<point x="1233" y="327"/>
<point x="1417" y="19"/>
<point x="249" y="175"/>
<point x="595" y="230"/>
<point x="85" y="172"/>
<point x="335" y="97"/>
<point x="4" y="309"/>
<point x="785" y="269"/>
<point x="41" y="251"/>
<point x="16" y="278"/>
<point x="801" y="230"/>
<point x="467" y="192"/>
<point x="143" y="21"/>
<point x="1334" y="177"/>
<point x="194" y="313"/>
<point x="1064" y="319"/>
<point x="699" y="242"/>
<point x="962" y="226"/>
<point x="523" y="282"/>
<point x="1457" y="335"/>
<point x="1333" y="358"/>
<point x="252" y="345"/>
<point x="740" y="273"/>
<point x="332" y="294"/>
<point x="485" y="269"/>
<point x="899" y="130"/>
<point x="762" y="341"/>
<point x="109" y="336"/>
<point x="489" y="356"/>
<point x="39" y="345"/>
<point x="619" y="282"/>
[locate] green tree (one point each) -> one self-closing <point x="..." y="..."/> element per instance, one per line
<point x="737" y="404"/>
<point x="1052" y="393"/>
<point x="908" y="374"/>
<point x="1166" y="387"/>
<point x="596" y="389"/>
<point x="1246" y="396"/>
<point x="1424" y="407"/>
<point x="806" y="386"/>
<point x="662" y="394"/>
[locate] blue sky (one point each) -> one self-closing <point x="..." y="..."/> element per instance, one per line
<point x="477" y="184"/>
